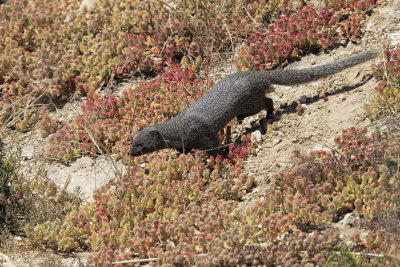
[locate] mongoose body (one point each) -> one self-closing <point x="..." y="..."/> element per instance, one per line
<point x="238" y="95"/>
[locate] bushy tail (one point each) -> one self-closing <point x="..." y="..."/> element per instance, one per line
<point x="288" y="77"/>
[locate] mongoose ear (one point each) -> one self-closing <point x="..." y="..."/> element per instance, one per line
<point x="154" y="134"/>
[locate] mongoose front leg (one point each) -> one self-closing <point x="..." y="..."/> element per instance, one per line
<point x="201" y="135"/>
<point x="187" y="150"/>
<point x="210" y="144"/>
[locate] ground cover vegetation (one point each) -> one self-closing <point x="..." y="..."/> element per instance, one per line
<point x="182" y="209"/>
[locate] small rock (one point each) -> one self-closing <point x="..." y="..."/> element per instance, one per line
<point x="394" y="38"/>
<point x="257" y="135"/>
<point x="343" y="41"/>
<point x="350" y="219"/>
<point x="5" y="261"/>
<point x="303" y="99"/>
<point x="386" y="123"/>
<point x="273" y="143"/>
<point x="313" y="61"/>
<point x="308" y="136"/>
<point x="295" y="140"/>
<point x="320" y="148"/>
<point x="171" y="244"/>
<point x="364" y="41"/>
<point x="276" y="141"/>
<point x="27" y="152"/>
<point x="342" y="97"/>
<point x="88" y="5"/>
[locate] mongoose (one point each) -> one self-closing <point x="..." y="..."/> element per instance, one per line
<point x="238" y="95"/>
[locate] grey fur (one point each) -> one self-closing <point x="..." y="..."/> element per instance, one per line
<point x="238" y="95"/>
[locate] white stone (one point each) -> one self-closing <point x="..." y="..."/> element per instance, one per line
<point x="276" y="141"/>
<point x="88" y="5"/>
<point x="394" y="38"/>
<point x="350" y="219"/>
<point x="257" y="135"/>
<point x="5" y="261"/>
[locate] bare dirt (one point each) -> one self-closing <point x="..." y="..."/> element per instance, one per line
<point x="346" y="92"/>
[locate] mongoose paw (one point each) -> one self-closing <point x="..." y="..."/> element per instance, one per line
<point x="224" y="152"/>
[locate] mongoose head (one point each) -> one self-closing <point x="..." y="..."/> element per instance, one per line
<point x="148" y="140"/>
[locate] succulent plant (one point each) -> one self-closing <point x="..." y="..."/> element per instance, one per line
<point x="181" y="208"/>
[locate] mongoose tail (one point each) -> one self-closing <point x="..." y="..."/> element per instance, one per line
<point x="290" y="77"/>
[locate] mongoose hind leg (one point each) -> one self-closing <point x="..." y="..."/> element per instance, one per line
<point x="268" y="106"/>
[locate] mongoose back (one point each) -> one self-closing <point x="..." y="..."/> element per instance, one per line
<point x="238" y="95"/>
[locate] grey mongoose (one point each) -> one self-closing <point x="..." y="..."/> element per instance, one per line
<point x="238" y="95"/>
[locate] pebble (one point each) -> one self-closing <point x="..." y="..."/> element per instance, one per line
<point x="349" y="220"/>
<point x="394" y="38"/>
<point x="276" y="141"/>
<point x="320" y="148"/>
<point x="257" y="135"/>
<point x="6" y="261"/>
